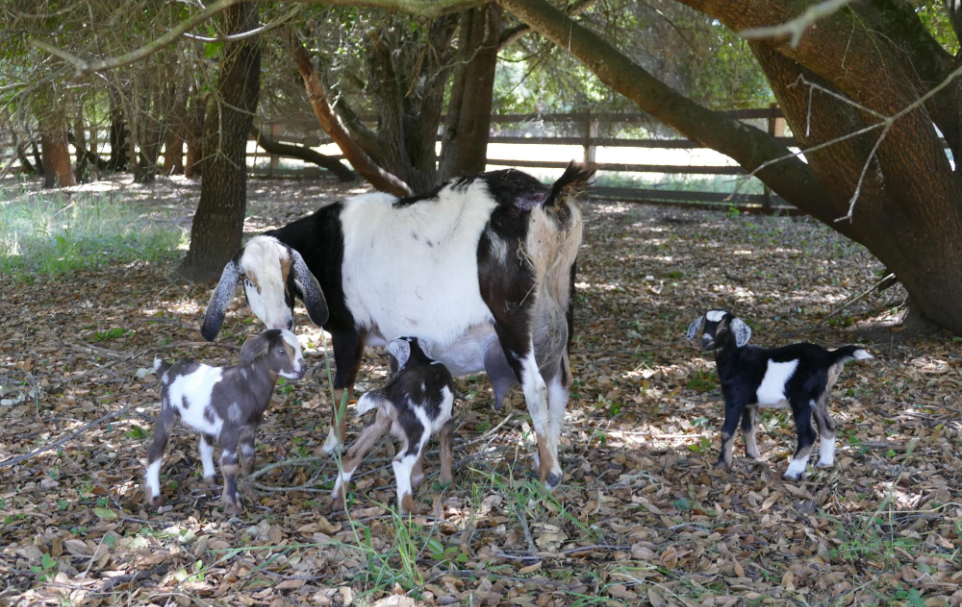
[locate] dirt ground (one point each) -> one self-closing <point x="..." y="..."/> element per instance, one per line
<point x="641" y="518"/>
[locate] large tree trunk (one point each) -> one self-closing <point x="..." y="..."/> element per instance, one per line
<point x="362" y="163"/>
<point x="465" y="141"/>
<point x="909" y="212"/>
<point x="218" y="224"/>
<point x="912" y="217"/>
<point x="303" y="153"/>
<point x="55" y="155"/>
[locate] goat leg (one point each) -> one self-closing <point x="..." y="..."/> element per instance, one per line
<point x="446" y="439"/>
<point x="733" y="411"/>
<point x="749" y="426"/>
<point x="155" y="455"/>
<point x="229" y="468"/>
<point x="357" y="452"/>
<point x="802" y="412"/>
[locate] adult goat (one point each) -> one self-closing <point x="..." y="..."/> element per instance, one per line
<point x="482" y="267"/>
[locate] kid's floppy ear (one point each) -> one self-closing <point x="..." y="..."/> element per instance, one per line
<point x="217" y="306"/>
<point x="741" y="331"/>
<point x="309" y="290"/>
<point x="694" y="328"/>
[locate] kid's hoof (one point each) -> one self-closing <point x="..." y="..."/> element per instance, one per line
<point x="553" y="480"/>
<point x="155" y="501"/>
<point x="337" y="505"/>
<point x="249" y="493"/>
<point x="233" y="507"/>
<point x="210" y="481"/>
<point x="721" y="465"/>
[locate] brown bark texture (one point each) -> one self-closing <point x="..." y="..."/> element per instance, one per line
<point x="362" y="163"/>
<point x="303" y="153"/>
<point x="218" y="224"/>
<point x="193" y="135"/>
<point x="55" y="155"/>
<point x="468" y="124"/>
<point x="909" y="210"/>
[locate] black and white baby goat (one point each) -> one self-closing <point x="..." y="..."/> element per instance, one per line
<point x="799" y="375"/>
<point x="415" y="405"/>
<point x="225" y="405"/>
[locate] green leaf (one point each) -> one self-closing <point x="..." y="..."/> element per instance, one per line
<point x="48" y="562"/>
<point x="682" y="504"/>
<point x="105" y="513"/>
<point x="136" y="433"/>
<point x="211" y="49"/>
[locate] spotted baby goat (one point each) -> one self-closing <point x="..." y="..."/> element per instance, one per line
<point x="799" y="375"/>
<point x="415" y="405"/>
<point x="225" y="405"/>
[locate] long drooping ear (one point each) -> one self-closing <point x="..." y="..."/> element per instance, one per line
<point x="694" y="328"/>
<point x="217" y="306"/>
<point x="309" y="291"/>
<point x="741" y="331"/>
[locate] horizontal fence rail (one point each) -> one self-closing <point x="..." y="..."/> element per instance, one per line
<point x="587" y="126"/>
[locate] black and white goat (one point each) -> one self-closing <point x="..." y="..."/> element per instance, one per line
<point x="225" y="405"/>
<point x="414" y="406"/>
<point x="483" y="267"/>
<point x="800" y="376"/>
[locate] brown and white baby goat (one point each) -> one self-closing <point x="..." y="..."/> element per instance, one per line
<point x="225" y="405"/>
<point x="415" y="405"/>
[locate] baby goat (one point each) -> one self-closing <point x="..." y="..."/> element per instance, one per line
<point x="225" y="405"/>
<point x="415" y="405"/>
<point x="799" y="375"/>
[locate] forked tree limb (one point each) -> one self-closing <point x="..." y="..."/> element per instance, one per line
<point x="362" y="163"/>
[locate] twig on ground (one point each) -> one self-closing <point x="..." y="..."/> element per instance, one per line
<point x="524" y="527"/>
<point x="16" y="460"/>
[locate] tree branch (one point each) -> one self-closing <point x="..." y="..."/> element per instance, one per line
<point x="747" y="145"/>
<point x="328" y="120"/>
<point x="797" y="26"/>
<point x="512" y="34"/>
<point x="254" y="32"/>
<point x="303" y="153"/>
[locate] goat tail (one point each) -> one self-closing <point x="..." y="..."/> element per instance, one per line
<point x="575" y="178"/>
<point x="369" y="400"/>
<point x="160" y="366"/>
<point x="846" y="353"/>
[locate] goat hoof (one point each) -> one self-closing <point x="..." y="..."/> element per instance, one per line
<point x="721" y="465"/>
<point x="210" y="481"/>
<point x="155" y="501"/>
<point x="826" y="464"/>
<point x="553" y="480"/>
<point x="337" y="505"/>
<point x="249" y="492"/>
<point x="233" y="507"/>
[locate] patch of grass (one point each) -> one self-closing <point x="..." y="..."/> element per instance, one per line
<point x="702" y="381"/>
<point x="51" y="233"/>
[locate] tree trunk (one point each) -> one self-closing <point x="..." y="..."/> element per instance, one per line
<point x="465" y="141"/>
<point x="173" y="154"/>
<point x="912" y="218"/>
<point x="362" y="163"/>
<point x="193" y="135"/>
<point x="118" y="135"/>
<point x="218" y="224"/>
<point x="303" y="153"/>
<point x="57" y="170"/>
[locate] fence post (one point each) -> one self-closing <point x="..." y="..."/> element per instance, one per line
<point x="776" y="130"/>
<point x="591" y="133"/>
<point x="275" y="136"/>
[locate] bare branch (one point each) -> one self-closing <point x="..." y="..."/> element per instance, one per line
<point x="796" y="27"/>
<point x="254" y="32"/>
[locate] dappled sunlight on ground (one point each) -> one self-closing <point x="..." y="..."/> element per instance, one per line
<point x="642" y="516"/>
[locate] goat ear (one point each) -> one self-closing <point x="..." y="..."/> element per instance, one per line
<point x="309" y="290"/>
<point x="694" y="328"/>
<point x="741" y="331"/>
<point x="252" y="348"/>
<point x="217" y="306"/>
<point x="425" y="346"/>
<point x="400" y="351"/>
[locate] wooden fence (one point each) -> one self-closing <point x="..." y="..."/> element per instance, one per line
<point x="586" y="128"/>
